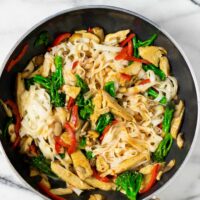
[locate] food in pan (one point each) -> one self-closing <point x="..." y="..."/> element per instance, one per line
<point x="96" y="111"/>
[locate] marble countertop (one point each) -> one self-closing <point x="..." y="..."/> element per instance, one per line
<point x="181" y="18"/>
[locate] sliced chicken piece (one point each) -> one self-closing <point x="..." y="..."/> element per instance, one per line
<point x="71" y="91"/>
<point x="138" y="89"/>
<point x="130" y="163"/>
<point x="99" y="33"/>
<point x="177" y="119"/>
<point x="132" y="69"/>
<point x="69" y="177"/>
<point x="81" y="165"/>
<point x="99" y="184"/>
<point x="164" y="65"/>
<point x="152" y="54"/>
<point x="116" y="108"/>
<point x="117" y="37"/>
<point x="61" y="191"/>
<point x="101" y="164"/>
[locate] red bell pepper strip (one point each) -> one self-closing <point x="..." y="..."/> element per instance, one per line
<point x="60" y="38"/>
<point x="15" y="111"/>
<point x="89" y="30"/>
<point x="60" y="142"/>
<point x="13" y="62"/>
<point x="57" y="147"/>
<point x="43" y="188"/>
<point x="130" y="48"/>
<point x="71" y="132"/>
<point x="70" y="103"/>
<point x="75" y="115"/>
<point x="152" y="181"/>
<point x="106" y="129"/>
<point x="132" y="58"/>
<point x="32" y="149"/>
<point x="74" y="64"/>
<point x="160" y="125"/>
<point x="97" y="176"/>
<point x="126" y="77"/>
<point x="144" y="81"/>
<point x="129" y="38"/>
<point x="122" y="54"/>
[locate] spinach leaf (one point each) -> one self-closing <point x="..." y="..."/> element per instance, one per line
<point x="110" y="88"/>
<point x="103" y="121"/>
<point x="43" y="165"/>
<point x="42" y="39"/>
<point x="81" y="83"/>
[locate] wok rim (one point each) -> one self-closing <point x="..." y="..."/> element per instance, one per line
<point x="178" y="47"/>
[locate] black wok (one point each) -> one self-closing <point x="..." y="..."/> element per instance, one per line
<point x="111" y="19"/>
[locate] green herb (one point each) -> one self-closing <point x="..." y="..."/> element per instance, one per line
<point x="89" y="155"/>
<point x="5" y="129"/>
<point x="103" y="121"/>
<point x="130" y="183"/>
<point x="147" y="42"/>
<point x="168" y="115"/>
<point x="62" y="155"/>
<point x="135" y="46"/>
<point x="43" y="165"/>
<point x="156" y="70"/>
<point x="81" y="83"/>
<point x="110" y="88"/>
<point x="85" y="107"/>
<point x="82" y="143"/>
<point x="42" y="39"/>
<point x="163" y="148"/>
<point x="154" y="94"/>
<point x="138" y="43"/>
<point x="51" y="84"/>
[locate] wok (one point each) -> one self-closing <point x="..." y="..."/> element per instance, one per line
<point x="110" y="19"/>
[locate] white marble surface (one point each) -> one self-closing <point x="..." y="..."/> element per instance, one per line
<point x="181" y="18"/>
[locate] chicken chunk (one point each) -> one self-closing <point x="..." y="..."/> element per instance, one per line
<point x="117" y="37"/>
<point x="99" y="184"/>
<point x="152" y="54"/>
<point x="69" y="177"/>
<point x="116" y="108"/>
<point x="81" y="165"/>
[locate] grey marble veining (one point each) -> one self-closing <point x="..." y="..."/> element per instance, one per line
<point x="180" y="18"/>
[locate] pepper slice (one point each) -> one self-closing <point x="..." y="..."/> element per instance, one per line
<point x="130" y="48"/>
<point x="15" y="111"/>
<point x="71" y="132"/>
<point x="122" y="54"/>
<point x="75" y="63"/>
<point x="152" y="181"/>
<point x="127" y="77"/>
<point x="145" y="81"/>
<point x="60" y="38"/>
<point x="107" y="128"/>
<point x="97" y="176"/>
<point x="129" y="38"/>
<point x="60" y="142"/>
<point x="75" y="115"/>
<point x="13" y="62"/>
<point x="70" y="103"/>
<point x="46" y="190"/>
